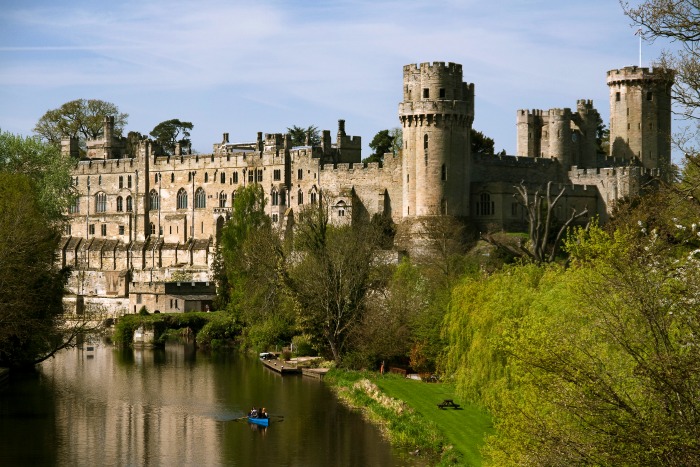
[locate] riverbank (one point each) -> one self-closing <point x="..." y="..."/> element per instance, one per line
<point x="407" y="412"/>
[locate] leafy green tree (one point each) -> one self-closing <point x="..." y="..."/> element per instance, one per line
<point x="31" y="286"/>
<point x="304" y="136"/>
<point x="171" y="132"/>
<point x="481" y="144"/>
<point x="248" y="272"/>
<point x="80" y="118"/>
<point x="330" y="277"/>
<point x="49" y="171"/>
<point x="385" y="141"/>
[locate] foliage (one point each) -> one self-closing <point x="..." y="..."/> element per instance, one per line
<point x="481" y="144"/>
<point x="170" y="132"/>
<point x="31" y="286"/>
<point x="302" y="346"/>
<point x="220" y="330"/>
<point x="308" y="136"/>
<point x="403" y="426"/>
<point x="80" y="118"/>
<point x="162" y="322"/>
<point x="331" y="277"/>
<point x="385" y="141"/>
<point x="48" y="170"/>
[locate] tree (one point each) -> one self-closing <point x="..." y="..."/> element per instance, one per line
<point x="249" y="273"/>
<point x="385" y="141"/>
<point x="330" y="278"/>
<point x="540" y="246"/>
<point x="81" y="118"/>
<point x="308" y="136"/>
<point x="44" y="164"/>
<point x="171" y="132"/>
<point x="678" y="21"/>
<point x="481" y="144"/>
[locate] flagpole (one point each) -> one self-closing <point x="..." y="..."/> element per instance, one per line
<point x="639" y="33"/>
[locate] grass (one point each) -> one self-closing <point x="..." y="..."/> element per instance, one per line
<point x="465" y="427"/>
<point x="407" y="412"/>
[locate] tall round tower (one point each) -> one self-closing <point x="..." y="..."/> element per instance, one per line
<point x="640" y="115"/>
<point x="436" y="115"/>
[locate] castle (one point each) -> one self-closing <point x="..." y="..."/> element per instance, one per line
<point x="143" y="229"/>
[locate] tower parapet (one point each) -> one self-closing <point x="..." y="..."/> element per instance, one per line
<point x="640" y="115"/>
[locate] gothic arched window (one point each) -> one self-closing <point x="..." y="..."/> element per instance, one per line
<point x="129" y="204"/>
<point x="200" y="199"/>
<point x="120" y="204"/>
<point x="182" y="199"/>
<point x="275" y="198"/>
<point x="153" y="200"/>
<point x="222" y="200"/>
<point x="100" y="201"/>
<point x="300" y="197"/>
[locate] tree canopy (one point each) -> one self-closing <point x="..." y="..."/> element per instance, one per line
<point x="171" y="132"/>
<point x="304" y="136"/>
<point x="481" y="144"/>
<point x="80" y="118"/>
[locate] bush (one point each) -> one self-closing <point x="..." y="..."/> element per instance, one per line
<point x="218" y="331"/>
<point x="144" y="311"/>
<point x="302" y="346"/>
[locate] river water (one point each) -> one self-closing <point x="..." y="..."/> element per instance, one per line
<point x="178" y="406"/>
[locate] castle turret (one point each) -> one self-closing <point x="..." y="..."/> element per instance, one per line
<point x="560" y="136"/>
<point x="640" y="115"/>
<point x="436" y="115"/>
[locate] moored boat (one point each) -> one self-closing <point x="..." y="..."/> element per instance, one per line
<point x="259" y="421"/>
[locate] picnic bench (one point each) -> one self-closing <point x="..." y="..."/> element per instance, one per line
<point x="448" y="403"/>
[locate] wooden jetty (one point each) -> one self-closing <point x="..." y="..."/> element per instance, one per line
<point x="317" y="373"/>
<point x="280" y="366"/>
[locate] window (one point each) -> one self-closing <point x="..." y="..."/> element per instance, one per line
<point x="250" y="176"/>
<point x="99" y="180"/>
<point x="67" y="230"/>
<point x="425" y="149"/>
<point x="121" y="230"/>
<point x="189" y="176"/>
<point x="153" y="200"/>
<point x="485" y="207"/>
<point x="155" y="178"/>
<point x="206" y="177"/>
<point x="91" y="229"/>
<point x="172" y="178"/>
<point x="283" y="197"/>
<point x="222" y="177"/>
<point x="103" y="230"/>
<point x="222" y="200"/>
<point x="275" y="198"/>
<point x="182" y="199"/>
<point x="100" y="202"/>
<point x="313" y="197"/>
<point x="444" y="172"/>
<point x="341" y="208"/>
<point x="200" y="199"/>
<point x="75" y="207"/>
<point x="300" y="174"/>
<point x="426" y="93"/>
<point x="120" y="204"/>
<point x="129" y="204"/>
<point x="300" y="197"/>
<point x="275" y="218"/>
<point x="235" y="177"/>
<point x="121" y="182"/>
<point x="128" y="181"/>
<point x="276" y="175"/>
<point x="650" y="96"/>
<point x="442" y="93"/>
<point x="259" y="175"/>
<point x="152" y="228"/>
<point x="617" y="97"/>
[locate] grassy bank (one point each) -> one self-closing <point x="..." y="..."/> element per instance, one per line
<point x="408" y="414"/>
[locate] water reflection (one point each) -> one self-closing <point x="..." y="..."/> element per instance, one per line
<point x="176" y="406"/>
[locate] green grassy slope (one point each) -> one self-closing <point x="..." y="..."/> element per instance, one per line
<point x="465" y="427"/>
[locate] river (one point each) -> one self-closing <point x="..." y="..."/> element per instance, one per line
<point x="178" y="406"/>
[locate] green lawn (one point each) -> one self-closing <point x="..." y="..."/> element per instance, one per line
<point x="464" y="427"/>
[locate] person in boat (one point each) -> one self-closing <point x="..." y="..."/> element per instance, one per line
<point x="253" y="413"/>
<point x="263" y="413"/>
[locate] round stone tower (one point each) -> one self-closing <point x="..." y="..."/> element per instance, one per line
<point x="640" y="115"/>
<point x="436" y="115"/>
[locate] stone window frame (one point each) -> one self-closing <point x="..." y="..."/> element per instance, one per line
<point x="200" y="198"/>
<point x="100" y="201"/>
<point x="120" y="204"/>
<point x="182" y="199"/>
<point x="129" y="204"/>
<point x="153" y="200"/>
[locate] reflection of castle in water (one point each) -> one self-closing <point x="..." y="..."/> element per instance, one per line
<point x="145" y="225"/>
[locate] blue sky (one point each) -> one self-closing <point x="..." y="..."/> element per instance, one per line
<point x="247" y="66"/>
